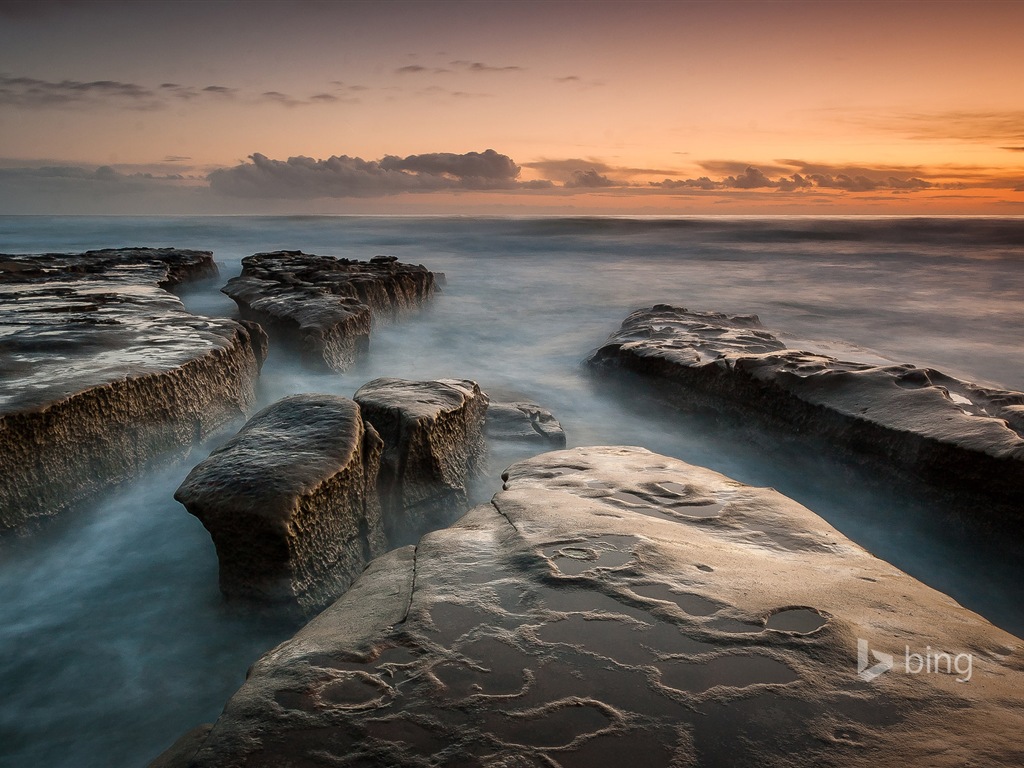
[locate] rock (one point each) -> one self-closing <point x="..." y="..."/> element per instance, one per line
<point x="103" y="371"/>
<point x="182" y="750"/>
<point x="324" y="304"/>
<point x="523" y="421"/>
<point x="616" y="607"/>
<point x="291" y="502"/>
<point x="433" y="445"/>
<point x="955" y="435"/>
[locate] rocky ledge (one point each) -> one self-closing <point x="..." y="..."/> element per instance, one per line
<point x="102" y="370"/>
<point x="954" y="435"/>
<point x="291" y="502"/>
<point x="324" y="304"/>
<point x="433" y="446"/>
<point x="616" y="607"/>
<point x="523" y="421"/>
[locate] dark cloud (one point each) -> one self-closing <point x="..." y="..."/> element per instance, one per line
<point x="41" y="94"/>
<point x="479" y="66"/>
<point x="1013" y="149"/>
<point x="590" y="179"/>
<point x="417" y="69"/>
<point x="344" y="176"/>
<point x="176" y="158"/>
<point x="738" y="168"/>
<point x="753" y="177"/>
<point x="568" y="79"/>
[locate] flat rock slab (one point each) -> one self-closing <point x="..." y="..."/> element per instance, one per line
<point x="523" y="421"/>
<point x="102" y="370"/>
<point x="326" y="304"/>
<point x="433" y="446"/>
<point x="616" y="607"/>
<point x="950" y="433"/>
<point x="291" y="502"/>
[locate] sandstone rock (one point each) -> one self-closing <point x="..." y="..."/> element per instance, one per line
<point x="950" y="433"/>
<point x="523" y="421"/>
<point x="291" y="502"/>
<point x="325" y="304"/>
<point x="433" y="445"/>
<point x="102" y="371"/>
<point x="615" y="607"/>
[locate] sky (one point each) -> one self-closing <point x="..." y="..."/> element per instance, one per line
<point x="512" y="107"/>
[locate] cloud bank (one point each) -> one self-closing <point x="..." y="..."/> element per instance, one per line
<point x="344" y="176"/>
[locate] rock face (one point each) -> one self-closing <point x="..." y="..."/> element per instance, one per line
<point x="615" y="607"/>
<point x="949" y="433"/>
<point x="291" y="502"/>
<point x="523" y="421"/>
<point x="433" y="445"/>
<point x="326" y="304"/>
<point x="102" y="371"/>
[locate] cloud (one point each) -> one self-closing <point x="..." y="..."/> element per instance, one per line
<point x="176" y="158"/>
<point x="344" y="176"/>
<point x="567" y="169"/>
<point x="1013" y="149"/>
<point x="33" y="93"/>
<point x="753" y="177"/>
<point x="568" y="79"/>
<point x="984" y="126"/>
<point x="590" y="179"/>
<point x="479" y="66"/>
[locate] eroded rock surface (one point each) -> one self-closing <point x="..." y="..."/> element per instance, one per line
<point x="616" y="607"/>
<point x="433" y="446"/>
<point x="102" y="370"/>
<point x="325" y="304"/>
<point x="291" y="501"/>
<point x="948" y="432"/>
<point x="523" y="421"/>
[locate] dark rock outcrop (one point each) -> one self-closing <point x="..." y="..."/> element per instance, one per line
<point x="326" y="305"/>
<point x="291" y="501"/>
<point x="956" y="436"/>
<point x="102" y="371"/>
<point x="523" y="421"/>
<point x="433" y="446"/>
<point x="615" y="607"/>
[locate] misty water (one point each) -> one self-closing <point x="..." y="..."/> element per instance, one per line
<point x="113" y="636"/>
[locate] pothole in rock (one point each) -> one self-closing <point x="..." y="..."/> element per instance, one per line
<point x="554" y="728"/>
<point x="731" y="671"/>
<point x="694" y="605"/>
<point x="607" y="552"/>
<point x="801" y="620"/>
<point x="354" y="691"/>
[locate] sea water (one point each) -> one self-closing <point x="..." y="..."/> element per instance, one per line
<point x="113" y="637"/>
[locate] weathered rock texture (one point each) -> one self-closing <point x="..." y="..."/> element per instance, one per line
<point x="523" y="421"/>
<point x="325" y="304"/>
<point x="949" y="433"/>
<point x="614" y="607"/>
<point x="102" y="371"/>
<point x="433" y="446"/>
<point x="291" y="501"/>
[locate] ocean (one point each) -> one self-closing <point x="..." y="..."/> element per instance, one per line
<point x="114" y="639"/>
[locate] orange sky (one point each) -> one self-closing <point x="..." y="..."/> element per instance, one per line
<point x="682" y="107"/>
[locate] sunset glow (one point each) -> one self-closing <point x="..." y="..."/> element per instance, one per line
<point x="666" y="108"/>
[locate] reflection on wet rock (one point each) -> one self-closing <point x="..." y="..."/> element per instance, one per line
<point x="506" y="659"/>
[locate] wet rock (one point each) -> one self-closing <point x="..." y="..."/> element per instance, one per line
<point x="586" y="618"/>
<point x="291" y="502"/>
<point x="102" y="371"/>
<point x="433" y="446"/>
<point x="523" y="421"/>
<point x="326" y="305"/>
<point x="955" y="435"/>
